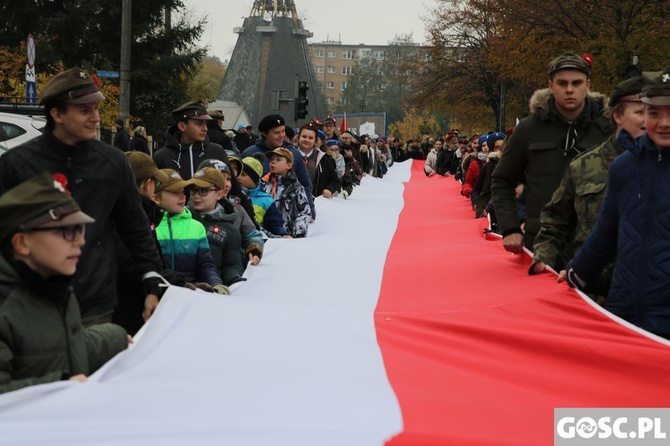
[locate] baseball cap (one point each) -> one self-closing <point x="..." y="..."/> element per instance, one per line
<point x="281" y="152"/>
<point x="171" y="181"/>
<point x="208" y="176"/>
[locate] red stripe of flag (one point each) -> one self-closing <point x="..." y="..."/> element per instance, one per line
<point x="477" y="351"/>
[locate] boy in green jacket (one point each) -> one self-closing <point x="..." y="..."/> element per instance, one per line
<point x="41" y="336"/>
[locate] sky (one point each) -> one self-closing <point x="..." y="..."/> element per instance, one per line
<point x="372" y="22"/>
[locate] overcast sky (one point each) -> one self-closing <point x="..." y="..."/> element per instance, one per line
<point x="373" y="22"/>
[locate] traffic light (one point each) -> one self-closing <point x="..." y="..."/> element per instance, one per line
<point x="301" y="102"/>
<point x="634" y="69"/>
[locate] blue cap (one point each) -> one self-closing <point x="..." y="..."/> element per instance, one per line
<point x="241" y="126"/>
<point x="333" y="142"/>
<point x="321" y="135"/>
<point x="493" y="137"/>
<point x="482" y="139"/>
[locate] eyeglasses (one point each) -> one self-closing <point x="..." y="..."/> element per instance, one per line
<point x="69" y="233"/>
<point x="202" y="191"/>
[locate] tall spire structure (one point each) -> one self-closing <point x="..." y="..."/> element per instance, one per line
<point x="270" y="57"/>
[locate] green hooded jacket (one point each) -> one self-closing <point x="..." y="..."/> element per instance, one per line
<point x="41" y="336"/>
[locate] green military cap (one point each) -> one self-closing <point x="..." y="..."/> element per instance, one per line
<point x="656" y="90"/>
<point x="629" y="87"/>
<point x="144" y="167"/>
<point x="74" y="86"/>
<point x="191" y="110"/>
<point x="216" y="114"/>
<point x="569" y="61"/>
<point x="40" y="202"/>
<point x="171" y="181"/>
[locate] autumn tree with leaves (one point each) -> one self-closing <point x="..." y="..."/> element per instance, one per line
<point x="480" y="48"/>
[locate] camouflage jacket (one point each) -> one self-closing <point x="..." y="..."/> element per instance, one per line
<point x="567" y="219"/>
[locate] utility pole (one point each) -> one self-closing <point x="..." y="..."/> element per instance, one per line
<point x="126" y="39"/>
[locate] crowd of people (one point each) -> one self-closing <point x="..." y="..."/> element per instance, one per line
<point x="580" y="183"/>
<point x="95" y="233"/>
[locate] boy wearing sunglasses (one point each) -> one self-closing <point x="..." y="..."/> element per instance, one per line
<point x="41" y="336"/>
<point x="230" y="231"/>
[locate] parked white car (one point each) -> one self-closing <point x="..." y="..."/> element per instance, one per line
<point x="17" y="129"/>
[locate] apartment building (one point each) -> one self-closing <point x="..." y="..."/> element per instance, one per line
<point x="334" y="64"/>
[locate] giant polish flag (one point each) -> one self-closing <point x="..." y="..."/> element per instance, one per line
<point x="395" y="322"/>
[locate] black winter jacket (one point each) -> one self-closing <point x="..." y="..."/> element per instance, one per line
<point x="536" y="155"/>
<point x="185" y="159"/>
<point x="101" y="182"/>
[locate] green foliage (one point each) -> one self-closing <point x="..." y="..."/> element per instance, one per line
<point x="206" y="83"/>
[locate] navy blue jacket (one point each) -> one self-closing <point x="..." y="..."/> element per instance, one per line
<point x="299" y="167"/>
<point x="634" y="225"/>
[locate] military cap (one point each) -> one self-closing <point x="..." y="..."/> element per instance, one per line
<point x="656" y="90"/>
<point x="269" y="122"/>
<point x="329" y="120"/>
<point x="208" y="176"/>
<point x="143" y="166"/>
<point x="74" y="86"/>
<point x="629" y="87"/>
<point x="281" y="152"/>
<point x="191" y="110"/>
<point x="215" y="163"/>
<point x="171" y="181"/>
<point x="216" y="114"/>
<point x="40" y="202"/>
<point x="253" y="168"/>
<point x="569" y="61"/>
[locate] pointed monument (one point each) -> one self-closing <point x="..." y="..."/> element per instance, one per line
<point x="270" y="57"/>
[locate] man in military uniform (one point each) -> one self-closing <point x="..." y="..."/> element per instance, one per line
<point x="568" y="218"/>
<point x="99" y="178"/>
<point x="565" y="121"/>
